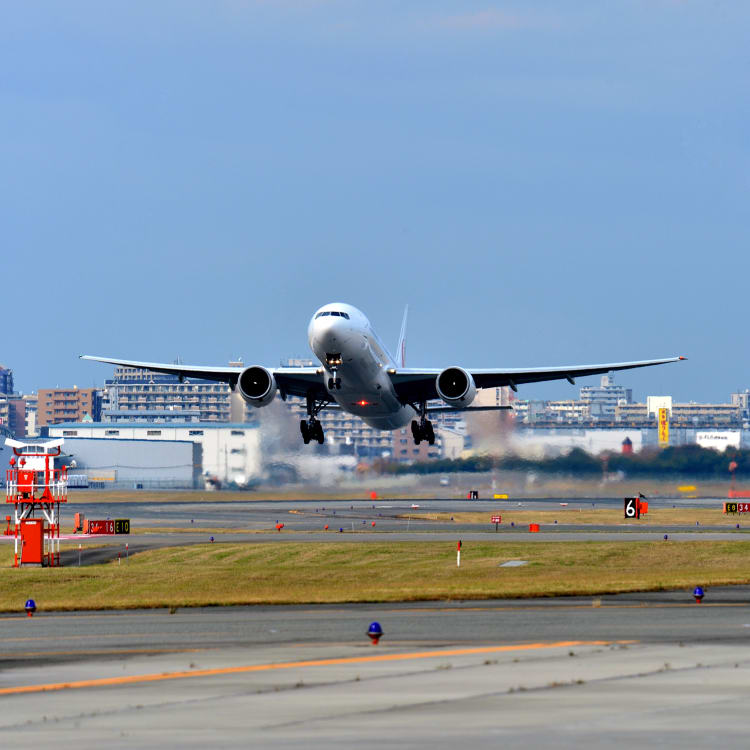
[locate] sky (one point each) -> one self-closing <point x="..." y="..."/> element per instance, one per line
<point x="543" y="183"/>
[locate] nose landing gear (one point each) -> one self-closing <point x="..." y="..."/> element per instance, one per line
<point x="333" y="360"/>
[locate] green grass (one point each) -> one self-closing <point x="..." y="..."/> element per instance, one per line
<point x="224" y="574"/>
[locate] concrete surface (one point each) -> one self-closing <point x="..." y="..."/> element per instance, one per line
<point x="651" y="670"/>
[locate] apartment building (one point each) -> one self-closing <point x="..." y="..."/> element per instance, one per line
<point x="56" y="405"/>
<point x="134" y="389"/>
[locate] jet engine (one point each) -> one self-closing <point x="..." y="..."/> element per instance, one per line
<point x="456" y="386"/>
<point x="257" y="386"/>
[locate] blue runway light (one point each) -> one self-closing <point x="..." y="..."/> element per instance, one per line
<point x="666" y="536"/>
<point x="374" y="633"/>
<point x="698" y="594"/>
<point x="30" y="607"/>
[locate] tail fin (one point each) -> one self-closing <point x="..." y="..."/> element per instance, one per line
<point x="401" y="351"/>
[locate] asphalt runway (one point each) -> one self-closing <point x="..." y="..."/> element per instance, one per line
<point x="183" y="523"/>
<point x="647" y="669"/>
<point x="639" y="669"/>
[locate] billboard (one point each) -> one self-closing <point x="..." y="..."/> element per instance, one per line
<point x="663" y="426"/>
<point x="719" y="440"/>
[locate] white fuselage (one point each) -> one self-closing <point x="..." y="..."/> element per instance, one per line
<point x="366" y="389"/>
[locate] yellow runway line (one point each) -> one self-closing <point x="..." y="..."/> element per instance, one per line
<point x="128" y="680"/>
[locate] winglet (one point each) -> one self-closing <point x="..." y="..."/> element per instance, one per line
<point x="401" y="350"/>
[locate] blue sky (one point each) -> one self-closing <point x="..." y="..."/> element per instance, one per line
<point x="544" y="183"/>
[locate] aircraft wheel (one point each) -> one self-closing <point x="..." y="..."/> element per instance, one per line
<point x="303" y="428"/>
<point x="416" y="432"/>
<point x="331" y="384"/>
<point x="319" y="436"/>
<point x="430" y="433"/>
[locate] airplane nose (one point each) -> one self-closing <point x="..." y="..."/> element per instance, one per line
<point x="330" y="333"/>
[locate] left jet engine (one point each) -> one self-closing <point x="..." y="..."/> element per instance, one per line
<point x="456" y="387"/>
<point x="257" y="386"/>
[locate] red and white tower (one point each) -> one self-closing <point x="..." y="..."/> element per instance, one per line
<point x="36" y="489"/>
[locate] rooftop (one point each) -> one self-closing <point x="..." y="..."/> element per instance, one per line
<point x="155" y="425"/>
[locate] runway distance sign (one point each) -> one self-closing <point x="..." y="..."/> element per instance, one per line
<point x="632" y="507"/>
<point x="497" y="519"/>
<point x="101" y="527"/>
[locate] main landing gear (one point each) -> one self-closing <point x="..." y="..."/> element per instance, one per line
<point x="311" y="428"/>
<point x="422" y="430"/>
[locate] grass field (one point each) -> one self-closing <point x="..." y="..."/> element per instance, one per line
<point x="600" y="517"/>
<point x="225" y="574"/>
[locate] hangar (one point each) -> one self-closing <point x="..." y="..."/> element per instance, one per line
<point x="157" y="454"/>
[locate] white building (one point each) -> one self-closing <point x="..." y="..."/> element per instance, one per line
<point x="229" y="452"/>
<point x="604" y="398"/>
<point x="654" y="403"/>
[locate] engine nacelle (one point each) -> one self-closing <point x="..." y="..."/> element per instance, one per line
<point x="456" y="386"/>
<point x="257" y="386"/>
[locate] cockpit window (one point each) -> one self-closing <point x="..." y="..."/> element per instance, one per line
<point x="345" y="315"/>
<point x="332" y="312"/>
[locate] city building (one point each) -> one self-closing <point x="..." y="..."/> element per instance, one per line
<point x="56" y="405"/>
<point x="31" y="401"/>
<point x="603" y="399"/>
<point x="150" y="415"/>
<point x="685" y="415"/>
<point x="345" y="433"/>
<point x="632" y="413"/>
<point x="742" y="400"/>
<point x="404" y="450"/>
<point x="567" y="410"/>
<point x="13" y="414"/>
<point x="654" y="403"/>
<point x="6" y="380"/>
<point x="134" y="389"/>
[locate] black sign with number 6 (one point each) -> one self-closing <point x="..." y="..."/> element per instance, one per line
<point x="632" y="509"/>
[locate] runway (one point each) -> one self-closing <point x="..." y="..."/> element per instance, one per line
<point x="648" y="669"/>
<point x="178" y="523"/>
<point x="656" y="670"/>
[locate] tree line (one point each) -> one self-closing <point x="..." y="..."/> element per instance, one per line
<point x="686" y="460"/>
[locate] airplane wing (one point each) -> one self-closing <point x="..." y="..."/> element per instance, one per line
<point x="413" y="385"/>
<point x="293" y="381"/>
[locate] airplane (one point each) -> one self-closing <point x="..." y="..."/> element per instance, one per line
<point x="359" y="376"/>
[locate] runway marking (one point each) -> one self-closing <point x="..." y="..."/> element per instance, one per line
<point x="128" y="680"/>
